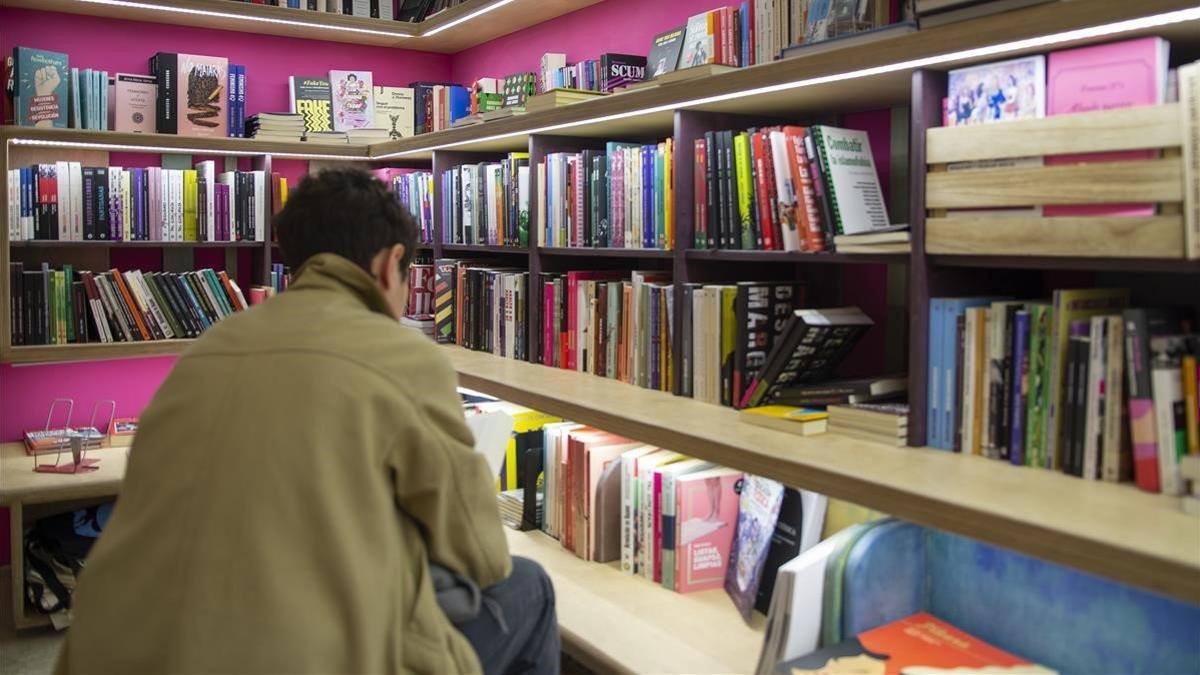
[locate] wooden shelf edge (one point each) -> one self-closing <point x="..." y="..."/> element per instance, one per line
<point x="1087" y="525"/>
<point x="733" y="255"/>
<point x="484" y="248"/>
<point x="587" y="252"/>
<point x="113" y="141"/>
<point x="92" y="351"/>
<point x="1152" y="265"/>
<point x="42" y="243"/>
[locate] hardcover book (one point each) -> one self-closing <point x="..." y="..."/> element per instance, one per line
<point x="618" y="70"/>
<point x="758" y="511"/>
<point x="352" y="98"/>
<point x="40" y="87"/>
<point x="311" y="97"/>
<point x="706" y="512"/>
<point x="202" y="97"/>
<point x="394" y="111"/>
<point x="664" y="54"/>
<point x="698" y="45"/>
<point x="134" y="97"/>
<point x="997" y="92"/>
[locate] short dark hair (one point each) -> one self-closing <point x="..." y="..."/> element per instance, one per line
<point x="344" y="211"/>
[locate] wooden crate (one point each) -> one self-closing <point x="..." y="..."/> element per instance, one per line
<point x="1159" y="181"/>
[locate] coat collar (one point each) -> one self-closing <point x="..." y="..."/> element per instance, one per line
<point x="332" y="272"/>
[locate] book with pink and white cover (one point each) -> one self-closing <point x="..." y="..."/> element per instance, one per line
<point x="706" y="516"/>
<point x="353" y="99"/>
<point x="1122" y="74"/>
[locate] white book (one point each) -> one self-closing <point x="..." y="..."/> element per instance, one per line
<point x="62" y="178"/>
<point x="126" y="206"/>
<point x="113" y="307"/>
<point x="1189" y="108"/>
<point x="1167" y="385"/>
<point x="164" y="206"/>
<point x="969" y="380"/>
<point x="178" y="202"/>
<point x="646" y="468"/>
<point x="1094" y="403"/>
<point x="14" y="204"/>
<point x="540" y="237"/>
<point x="98" y="319"/>
<point x="785" y="190"/>
<point x="114" y="199"/>
<point x="698" y="344"/>
<point x="467" y="172"/>
<point x="262" y="206"/>
<point x="848" y="168"/>
<point x="629" y="464"/>
<point x="76" y="199"/>
<point x="491" y="174"/>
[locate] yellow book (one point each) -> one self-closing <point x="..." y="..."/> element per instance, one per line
<point x="728" y="337"/>
<point x="190" y="231"/>
<point x="283" y="191"/>
<point x="793" y="420"/>
<point x="741" y="157"/>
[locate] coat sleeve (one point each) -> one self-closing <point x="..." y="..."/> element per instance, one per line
<point x="443" y="484"/>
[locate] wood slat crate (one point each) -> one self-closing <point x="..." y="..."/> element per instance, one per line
<point x="1159" y="181"/>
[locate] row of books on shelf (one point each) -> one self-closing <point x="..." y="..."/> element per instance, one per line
<point x="414" y="190"/>
<point x="477" y="306"/>
<point x="622" y="197"/>
<point x="70" y="306"/>
<point x="66" y="201"/>
<point x="790" y="188"/>
<point x="1082" y="383"/>
<point x="603" y="74"/>
<point x="487" y="203"/>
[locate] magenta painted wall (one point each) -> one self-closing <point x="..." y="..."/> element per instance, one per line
<point x="616" y="26"/>
<point x="126" y="46"/>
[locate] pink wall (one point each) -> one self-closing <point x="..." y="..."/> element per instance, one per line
<point x="616" y="26"/>
<point x="126" y="46"/>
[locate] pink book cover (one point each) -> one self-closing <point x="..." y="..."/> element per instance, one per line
<point x="1106" y="77"/>
<point x="132" y="100"/>
<point x="656" y="525"/>
<point x="706" y="511"/>
<point x="155" y="216"/>
<point x="548" y="341"/>
<point x="202" y="96"/>
<point x="616" y="215"/>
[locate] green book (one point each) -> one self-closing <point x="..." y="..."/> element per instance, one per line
<point x="1040" y="319"/>
<point x="69" y="303"/>
<point x="745" y="195"/>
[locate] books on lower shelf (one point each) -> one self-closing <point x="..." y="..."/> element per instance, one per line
<point x="1083" y="384"/>
<point x="619" y="198"/>
<point x="69" y="306"/>
<point x="487" y="203"/>
<point x="481" y="307"/>
<point x="882" y="422"/>
<point x="785" y="188"/>
<point x="66" y="201"/>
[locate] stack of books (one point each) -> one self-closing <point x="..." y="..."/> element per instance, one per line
<point x="557" y="97"/>
<point x="786" y="418"/>
<point x="367" y="135"/>
<point x="880" y="422"/>
<point x="512" y="505"/>
<point x="874" y="242"/>
<point x="327" y="137"/>
<point x="421" y="322"/>
<point x="274" y="126"/>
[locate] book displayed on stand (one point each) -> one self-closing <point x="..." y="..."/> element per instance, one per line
<point x="352" y="98"/>
<point x="619" y="198"/>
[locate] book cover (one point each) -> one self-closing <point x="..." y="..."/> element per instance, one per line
<point x="202" y="96"/>
<point x="1041" y="317"/>
<point x="758" y="512"/>
<point x="40" y="87"/>
<point x="664" y="53"/>
<point x="706" y="513"/>
<point x="618" y="70"/>
<point x="853" y="181"/>
<point x="394" y="111"/>
<point x="1105" y="77"/>
<point x="997" y="92"/>
<point x="1166" y="356"/>
<point x="352" y="99"/>
<point x="762" y="310"/>
<point x="312" y="98"/>
<point x="919" y="643"/>
<point x="698" y="45"/>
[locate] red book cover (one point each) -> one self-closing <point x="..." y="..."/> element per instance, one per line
<point x="700" y="189"/>
<point x="807" y="217"/>
<point x="919" y="641"/>
<point x="766" y="223"/>
<point x="772" y="196"/>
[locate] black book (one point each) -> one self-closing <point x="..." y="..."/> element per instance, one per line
<point x="605" y="231"/>
<point x="47" y="204"/>
<point x="785" y="545"/>
<point x="89" y="203"/>
<point x="733" y="220"/>
<point x="585" y="196"/>
<point x="312" y="5"/>
<point x="374" y="8"/>
<point x="79" y="311"/>
<point x="44" y="301"/>
<point x="813" y="343"/>
<point x="529" y="449"/>
<point x="1003" y="416"/>
<point x="664" y="53"/>
<point x="16" y="302"/>
<point x="206" y="307"/>
<point x="168" y="310"/>
<point x="683" y="383"/>
<point x="761" y="310"/>
<point x="29" y="279"/>
<point x="175" y="286"/>
<point x="1066" y="434"/>
<point x="165" y="67"/>
<point x="101" y="202"/>
<point x="844" y="391"/>
<point x="722" y="233"/>
<point x="1079" y="417"/>
<point x="756" y="236"/>
<point x="711" y="171"/>
<point x="348" y="7"/>
<point x="244" y="187"/>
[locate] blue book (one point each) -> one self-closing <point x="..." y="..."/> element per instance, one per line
<point x="76" y="121"/>
<point x="744" y="17"/>
<point x="241" y="101"/>
<point x="231" y="100"/>
<point x="459" y="102"/>
<point x="933" y="397"/>
<point x="954" y="308"/>
<point x="1020" y="367"/>
<point x="41" y="81"/>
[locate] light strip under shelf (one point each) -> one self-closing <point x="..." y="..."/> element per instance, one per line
<point x="466" y="18"/>
<point x="1110" y="29"/>
<point x="243" y="17"/>
<point x="118" y="147"/>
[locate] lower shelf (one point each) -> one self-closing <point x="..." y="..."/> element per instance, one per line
<point x="92" y="351"/>
<point x="615" y="622"/>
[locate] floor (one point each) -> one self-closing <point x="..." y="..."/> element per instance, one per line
<point x="33" y="652"/>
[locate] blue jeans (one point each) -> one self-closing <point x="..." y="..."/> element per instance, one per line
<point x="516" y="631"/>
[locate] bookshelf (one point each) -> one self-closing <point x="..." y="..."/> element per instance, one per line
<point x="452" y="30"/>
<point x="1108" y="529"/>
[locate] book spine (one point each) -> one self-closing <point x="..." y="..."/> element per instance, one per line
<point x="1115" y="462"/>
<point x="165" y="67"/>
<point x="1141" y="401"/>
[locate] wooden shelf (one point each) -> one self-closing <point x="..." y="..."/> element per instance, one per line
<point x="1112" y="530"/>
<point x="19" y="483"/>
<point x="445" y="32"/>
<point x="113" y="141"/>
<point x="483" y="248"/>
<point x="794" y="256"/>
<point x="41" y="243"/>
<point x="93" y="352"/>
<point x="1151" y="265"/>
<point x="573" y="252"/>
<point x="615" y="622"/>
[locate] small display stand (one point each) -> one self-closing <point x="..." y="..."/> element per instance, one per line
<point x="75" y="440"/>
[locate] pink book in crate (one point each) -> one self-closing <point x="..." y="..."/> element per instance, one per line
<point x="1105" y="77"/>
<point x="706" y="516"/>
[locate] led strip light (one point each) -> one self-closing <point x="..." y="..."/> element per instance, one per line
<point x="468" y="17"/>
<point x="117" y="147"/>
<point x="1143" y="23"/>
<point x="261" y="19"/>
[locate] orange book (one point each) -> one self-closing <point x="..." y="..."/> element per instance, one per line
<point x="807" y="217"/>
<point x="714" y="36"/>
<point x="235" y="298"/>
<point x="127" y="298"/>
<point x="921" y="640"/>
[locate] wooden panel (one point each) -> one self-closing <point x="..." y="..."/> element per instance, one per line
<point x="616" y="622"/>
<point x="1158" y="180"/>
<point x="1127" y="129"/>
<point x="1114" y="237"/>
<point x="64" y="140"/>
<point x="92" y="352"/>
<point x="1107" y="529"/>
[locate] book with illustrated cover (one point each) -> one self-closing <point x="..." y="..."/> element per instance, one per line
<point x="664" y="54"/>
<point x="698" y="45"/>
<point x="706" y="512"/>
<point x="997" y="92"/>
<point x="394" y="111"/>
<point x="353" y="99"/>
<point x="201" y="96"/>
<point x="1041" y="316"/>
<point x="133" y="103"/>
<point x="311" y="97"/>
<point x="762" y="310"/>
<point x="40" y="85"/>
<point x="757" y="514"/>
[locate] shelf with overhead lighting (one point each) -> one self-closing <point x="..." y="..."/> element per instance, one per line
<point x="112" y="141"/>
<point x="451" y="30"/>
